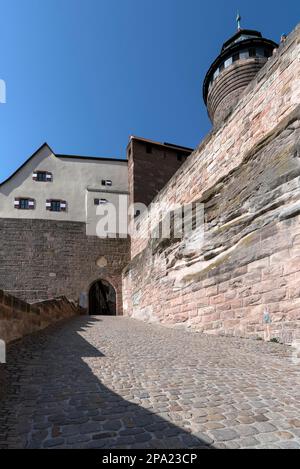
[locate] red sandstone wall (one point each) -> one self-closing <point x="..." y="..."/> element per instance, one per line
<point x="247" y="174"/>
<point x="270" y="97"/>
<point x="18" y="318"/>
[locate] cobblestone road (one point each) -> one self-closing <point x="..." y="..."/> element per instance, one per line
<point x="107" y="382"/>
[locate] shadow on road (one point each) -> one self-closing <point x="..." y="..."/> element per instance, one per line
<point x="56" y="401"/>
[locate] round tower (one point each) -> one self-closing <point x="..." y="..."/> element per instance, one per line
<point x="241" y="57"/>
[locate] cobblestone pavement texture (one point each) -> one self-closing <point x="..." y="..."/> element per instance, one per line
<point x="111" y="382"/>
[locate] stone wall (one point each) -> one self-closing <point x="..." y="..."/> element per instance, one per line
<point x="18" y="318"/>
<point x="148" y="173"/>
<point x="42" y="259"/>
<point x="269" y="98"/>
<point x="247" y="175"/>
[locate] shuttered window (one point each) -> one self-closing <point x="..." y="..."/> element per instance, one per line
<point x="23" y="203"/>
<point x="42" y="176"/>
<point x="56" y="205"/>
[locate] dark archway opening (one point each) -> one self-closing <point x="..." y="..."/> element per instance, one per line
<point x="102" y="299"/>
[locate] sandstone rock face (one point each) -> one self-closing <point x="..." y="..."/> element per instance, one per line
<point x="247" y="175"/>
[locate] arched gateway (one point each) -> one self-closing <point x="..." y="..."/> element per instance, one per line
<point x="102" y="299"/>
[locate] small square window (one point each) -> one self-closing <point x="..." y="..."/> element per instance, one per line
<point x="55" y="206"/>
<point x="228" y="62"/>
<point x="100" y="201"/>
<point x="106" y="182"/>
<point x="42" y="177"/>
<point x="24" y="204"/>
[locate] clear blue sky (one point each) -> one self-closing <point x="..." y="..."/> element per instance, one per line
<point x="83" y="75"/>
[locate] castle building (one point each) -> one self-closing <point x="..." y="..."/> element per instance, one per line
<point x="245" y="174"/>
<point x="48" y="217"/>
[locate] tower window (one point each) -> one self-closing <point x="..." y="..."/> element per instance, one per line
<point x="228" y="62"/>
<point x="216" y="74"/>
<point x="267" y="53"/>
<point x="56" y="205"/>
<point x="24" y="203"/>
<point x="252" y="52"/>
<point x="236" y="57"/>
<point x="222" y="66"/>
<point x="260" y="52"/>
<point x="148" y="148"/>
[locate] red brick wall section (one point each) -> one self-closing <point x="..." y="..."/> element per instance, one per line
<point x="18" y="318"/>
<point x="150" y="172"/>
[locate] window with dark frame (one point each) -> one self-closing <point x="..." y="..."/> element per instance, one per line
<point x="100" y="201"/>
<point x="24" y="203"/>
<point x="106" y="182"/>
<point x="252" y="52"/>
<point x="236" y="57"/>
<point x="42" y="176"/>
<point x="56" y="205"/>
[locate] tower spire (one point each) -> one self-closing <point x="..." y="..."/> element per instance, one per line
<point x="238" y="20"/>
